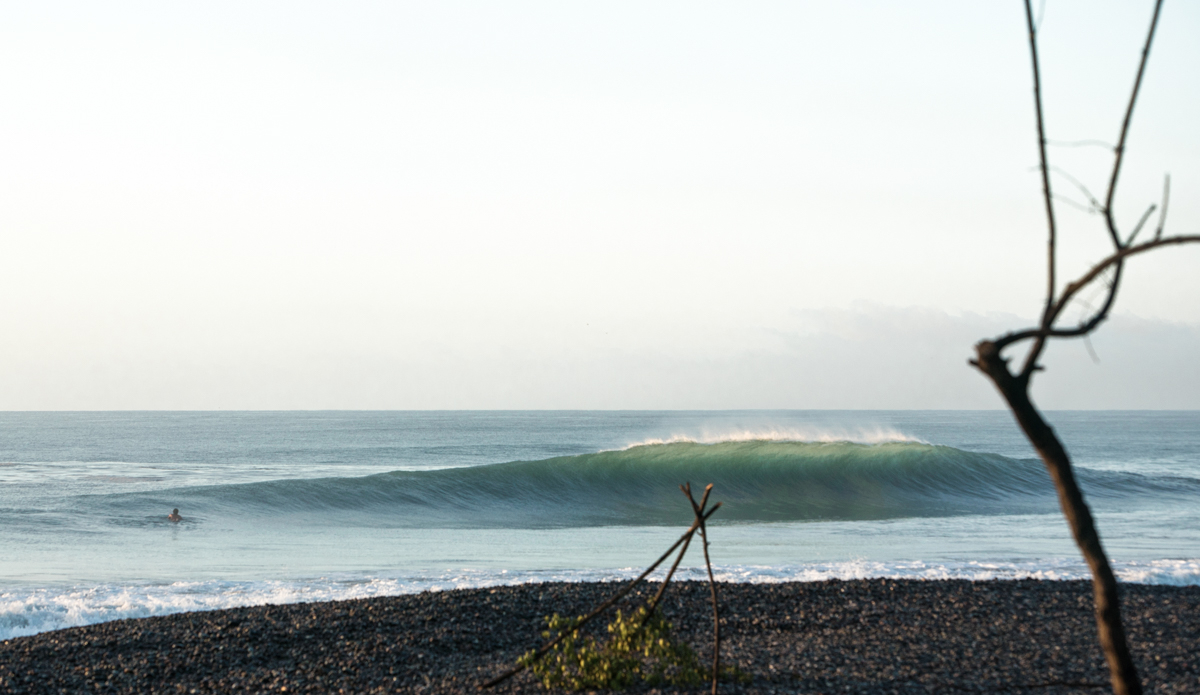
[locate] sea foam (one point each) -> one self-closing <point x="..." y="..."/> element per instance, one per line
<point x="821" y="435"/>
<point x="27" y="611"/>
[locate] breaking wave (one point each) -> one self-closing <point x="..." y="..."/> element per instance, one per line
<point x="758" y="480"/>
<point x="874" y="435"/>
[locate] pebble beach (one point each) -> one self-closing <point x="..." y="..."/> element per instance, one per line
<point x="862" y="636"/>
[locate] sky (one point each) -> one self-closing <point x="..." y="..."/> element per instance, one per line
<point x="375" y="205"/>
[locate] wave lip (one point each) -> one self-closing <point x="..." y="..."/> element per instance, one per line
<point x="757" y="480"/>
<point x="861" y="435"/>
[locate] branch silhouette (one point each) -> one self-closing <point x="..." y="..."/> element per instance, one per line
<point x="1014" y="387"/>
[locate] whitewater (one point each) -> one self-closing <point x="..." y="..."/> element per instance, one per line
<point x="313" y="506"/>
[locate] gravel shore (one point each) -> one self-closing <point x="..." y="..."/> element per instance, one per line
<point x="870" y="636"/>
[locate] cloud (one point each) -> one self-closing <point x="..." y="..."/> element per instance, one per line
<point x="865" y="357"/>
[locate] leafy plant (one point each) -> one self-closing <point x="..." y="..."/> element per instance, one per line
<point x="638" y="648"/>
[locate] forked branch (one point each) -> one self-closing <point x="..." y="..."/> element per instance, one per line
<point x="1014" y="387"/>
<point x="1055" y="304"/>
<point x="1047" y="330"/>
<point x="1119" y="151"/>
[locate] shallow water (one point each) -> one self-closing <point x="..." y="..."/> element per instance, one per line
<point x="318" y="505"/>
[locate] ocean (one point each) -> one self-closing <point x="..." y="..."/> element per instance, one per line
<point x="282" y="507"/>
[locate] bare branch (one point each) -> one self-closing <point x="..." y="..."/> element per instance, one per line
<point x="1015" y="388"/>
<point x="1115" y="260"/>
<point x="697" y="509"/>
<point x="662" y="589"/>
<point x="1082" y="188"/>
<point x="1145" y="216"/>
<point x="1086" y="279"/>
<point x="1090" y="209"/>
<point x="1162" y="217"/>
<point x="1083" y="328"/>
<point x="1120" y="148"/>
<point x="1087" y="341"/>
<point x="1046" y="192"/>
<point x="1052" y="308"/>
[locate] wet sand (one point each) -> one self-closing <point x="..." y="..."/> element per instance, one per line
<point x="869" y="636"/>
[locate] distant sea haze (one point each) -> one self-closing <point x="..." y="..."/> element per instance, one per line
<point x="292" y="506"/>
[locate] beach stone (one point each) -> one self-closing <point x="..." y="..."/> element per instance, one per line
<point x="863" y="636"/>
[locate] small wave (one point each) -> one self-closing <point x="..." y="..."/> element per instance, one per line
<point x="1160" y="572"/>
<point x="125" y="478"/>
<point x="34" y="610"/>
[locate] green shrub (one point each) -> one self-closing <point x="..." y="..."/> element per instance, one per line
<point x="637" y="649"/>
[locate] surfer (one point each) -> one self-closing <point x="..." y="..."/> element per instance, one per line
<point x="174" y="516"/>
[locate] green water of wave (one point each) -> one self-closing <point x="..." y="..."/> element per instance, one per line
<point x="757" y="481"/>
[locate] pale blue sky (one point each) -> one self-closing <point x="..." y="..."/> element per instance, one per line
<point x="584" y="204"/>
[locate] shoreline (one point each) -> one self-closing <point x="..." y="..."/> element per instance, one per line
<point x="859" y="636"/>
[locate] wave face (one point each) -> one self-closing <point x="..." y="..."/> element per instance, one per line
<point x="758" y="481"/>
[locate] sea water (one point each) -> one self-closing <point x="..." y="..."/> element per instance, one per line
<point x="303" y="506"/>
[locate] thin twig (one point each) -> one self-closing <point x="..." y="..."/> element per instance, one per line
<point x="1047" y="194"/>
<point x="1089" y="209"/>
<point x="712" y="583"/>
<point x="1113" y="260"/>
<point x="662" y="589"/>
<point x="1074" y="287"/>
<point x="1119" y="150"/>
<point x="1162" y="216"/>
<point x="1145" y="216"/>
<point x="1043" y="160"/>
<point x="667" y="580"/>
<point x="1079" y="184"/>
<point x="602" y="607"/>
